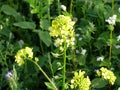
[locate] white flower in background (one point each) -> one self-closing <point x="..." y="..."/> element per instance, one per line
<point x="117" y="46"/>
<point x="112" y="68"/>
<point x="21" y="43"/>
<point x="77" y="35"/>
<point x="77" y="51"/>
<point x="111" y="20"/>
<point x="101" y="58"/>
<point x="96" y="70"/>
<point x="75" y="19"/>
<point x="80" y="39"/>
<point x="63" y="7"/>
<point x="118" y="38"/>
<point x="83" y="52"/>
<point x="119" y="10"/>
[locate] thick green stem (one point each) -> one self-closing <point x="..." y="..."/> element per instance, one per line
<point x="64" y="66"/>
<point x="71" y="7"/>
<point x="55" y="88"/>
<point x="58" y="3"/>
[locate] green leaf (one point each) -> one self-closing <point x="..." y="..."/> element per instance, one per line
<point x="99" y="83"/>
<point x="45" y="37"/>
<point x="81" y="59"/>
<point x="106" y="63"/>
<point x="49" y="85"/>
<point x="25" y="25"/>
<point x="9" y="10"/>
<point x="44" y="24"/>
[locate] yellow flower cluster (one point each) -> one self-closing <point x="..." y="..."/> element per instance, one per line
<point x="22" y="54"/>
<point x="108" y="75"/>
<point x="62" y="29"/>
<point x="80" y="81"/>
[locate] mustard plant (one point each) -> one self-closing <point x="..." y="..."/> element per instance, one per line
<point x="63" y="32"/>
<point x="27" y="54"/>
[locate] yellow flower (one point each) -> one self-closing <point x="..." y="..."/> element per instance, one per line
<point x="22" y="55"/>
<point x="108" y="75"/>
<point x="80" y="81"/>
<point x="62" y="29"/>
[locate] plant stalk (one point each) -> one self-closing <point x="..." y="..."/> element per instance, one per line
<point x="64" y="66"/>
<point x="58" y="6"/>
<point x="71" y="7"/>
<point x="110" y="50"/>
<point x="55" y="88"/>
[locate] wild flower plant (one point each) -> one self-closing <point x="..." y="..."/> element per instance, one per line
<point x="27" y="54"/>
<point x="11" y="77"/>
<point x="63" y="32"/>
<point x="111" y="21"/>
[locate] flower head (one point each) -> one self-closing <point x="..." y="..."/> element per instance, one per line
<point x="62" y="30"/>
<point x="101" y="58"/>
<point x="80" y="81"/>
<point x="108" y="75"/>
<point x="63" y="7"/>
<point x="23" y="54"/>
<point x="111" y="20"/>
<point x="83" y="52"/>
<point x="9" y="75"/>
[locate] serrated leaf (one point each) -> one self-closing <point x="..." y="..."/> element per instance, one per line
<point x="99" y="83"/>
<point x="45" y="37"/>
<point x="9" y="10"/>
<point x="25" y="25"/>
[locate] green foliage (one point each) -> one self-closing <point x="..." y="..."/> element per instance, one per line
<point x="25" y="25"/>
<point x="45" y="37"/>
<point x="31" y="23"/>
<point x="98" y="83"/>
<point x="9" y="10"/>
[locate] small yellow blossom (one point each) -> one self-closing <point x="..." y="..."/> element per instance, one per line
<point x="23" y="54"/>
<point x="108" y="75"/>
<point x="80" y="81"/>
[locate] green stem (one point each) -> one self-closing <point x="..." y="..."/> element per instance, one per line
<point x="58" y="3"/>
<point x="71" y="7"/>
<point x="49" y="11"/>
<point x="110" y="52"/>
<point x="64" y="66"/>
<point x="55" y="88"/>
<point x="112" y="6"/>
<point x="50" y="64"/>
